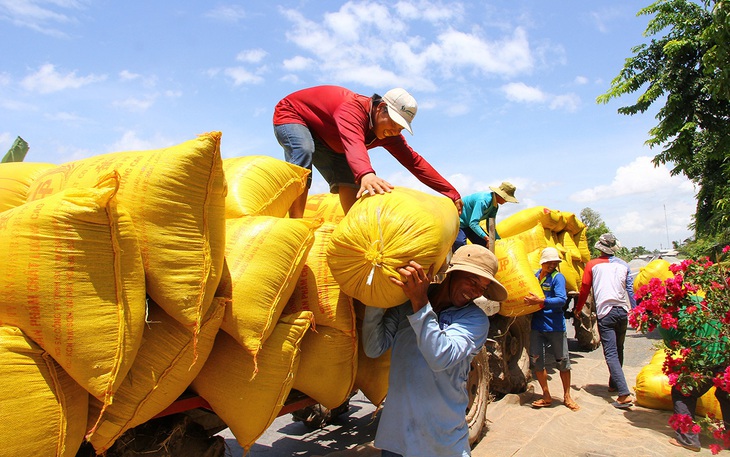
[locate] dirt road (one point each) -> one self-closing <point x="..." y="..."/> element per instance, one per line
<point x="515" y="428"/>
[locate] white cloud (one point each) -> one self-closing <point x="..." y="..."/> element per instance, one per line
<point x="15" y="105"/>
<point x="41" y="15"/>
<point x="251" y="55"/>
<point x="638" y="177"/>
<point x="240" y="75"/>
<point x="226" y="13"/>
<point x="130" y="141"/>
<point x="136" y="104"/>
<point x="64" y="117"/>
<point x="126" y="75"/>
<point x="47" y="80"/>
<point x="298" y="63"/>
<point x="521" y="92"/>
<point x="567" y="102"/>
<point x="368" y="43"/>
<point x="430" y="11"/>
<point x="581" y="80"/>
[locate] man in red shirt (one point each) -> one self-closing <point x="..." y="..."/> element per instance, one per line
<point x="333" y="128"/>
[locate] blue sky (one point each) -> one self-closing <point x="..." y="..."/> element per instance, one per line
<point x="506" y="90"/>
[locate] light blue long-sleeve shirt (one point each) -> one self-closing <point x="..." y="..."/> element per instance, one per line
<point x="424" y="412"/>
<point x="478" y="207"/>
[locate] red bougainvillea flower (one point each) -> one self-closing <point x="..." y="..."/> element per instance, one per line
<point x="722" y="380"/>
<point x="683" y="423"/>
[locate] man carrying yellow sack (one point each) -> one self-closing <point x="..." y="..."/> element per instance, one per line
<point x="433" y="337"/>
<point x="548" y="328"/>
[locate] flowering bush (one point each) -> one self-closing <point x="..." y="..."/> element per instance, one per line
<point x="692" y="312"/>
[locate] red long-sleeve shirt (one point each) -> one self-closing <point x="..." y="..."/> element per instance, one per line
<point x="342" y="119"/>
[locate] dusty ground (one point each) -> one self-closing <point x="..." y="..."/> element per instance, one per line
<point x="515" y="428"/>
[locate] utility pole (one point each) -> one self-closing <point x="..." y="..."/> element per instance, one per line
<point x="666" y="224"/>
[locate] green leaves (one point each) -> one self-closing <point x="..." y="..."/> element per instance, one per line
<point x="17" y="151"/>
<point x="686" y="66"/>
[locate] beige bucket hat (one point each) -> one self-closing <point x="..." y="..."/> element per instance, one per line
<point x="476" y="259"/>
<point x="506" y="190"/>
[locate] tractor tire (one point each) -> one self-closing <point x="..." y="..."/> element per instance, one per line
<point x="176" y="435"/>
<point x="317" y="416"/>
<point x="586" y="327"/>
<point x="510" y="363"/>
<point x="479" y="397"/>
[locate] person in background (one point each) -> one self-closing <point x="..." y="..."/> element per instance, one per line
<point x="613" y="291"/>
<point x="705" y="341"/>
<point x="480" y="207"/>
<point x="433" y="337"/>
<point x="333" y="128"/>
<point x="548" y="328"/>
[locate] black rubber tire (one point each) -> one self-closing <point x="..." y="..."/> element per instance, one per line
<point x="510" y="363"/>
<point x="479" y="397"/>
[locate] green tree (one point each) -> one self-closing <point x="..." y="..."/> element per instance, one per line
<point x="638" y="250"/>
<point x="595" y="227"/>
<point x="687" y="69"/>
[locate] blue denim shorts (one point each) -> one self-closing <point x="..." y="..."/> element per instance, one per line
<point x="539" y="342"/>
<point x="303" y="149"/>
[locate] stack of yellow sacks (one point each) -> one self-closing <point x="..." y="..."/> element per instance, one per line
<point x="98" y="256"/>
<point x="523" y="237"/>
<point x="169" y="246"/>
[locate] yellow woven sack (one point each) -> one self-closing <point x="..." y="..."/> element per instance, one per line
<point x="535" y="238"/>
<point x="654" y="391"/>
<point x="527" y="218"/>
<point x="262" y="186"/>
<point x="248" y="406"/>
<point x="573" y="225"/>
<point x="652" y="385"/>
<point x="328" y="366"/>
<point x="15" y="180"/>
<point x="566" y="239"/>
<point x="265" y="256"/>
<point x="581" y="240"/>
<point x="381" y="233"/>
<point x="318" y="292"/>
<point x="176" y="197"/>
<point x="165" y="365"/>
<point x="657" y="268"/>
<point x="516" y="276"/>
<point x="72" y="279"/>
<point x="569" y="269"/>
<point x="324" y="206"/>
<point x="44" y="410"/>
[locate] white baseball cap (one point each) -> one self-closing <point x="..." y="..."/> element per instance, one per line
<point x="402" y="107"/>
